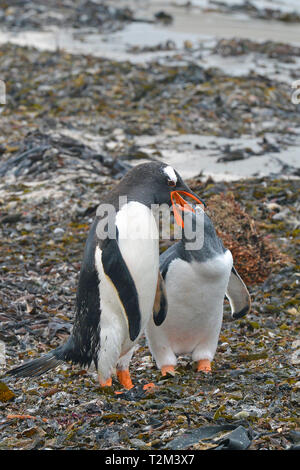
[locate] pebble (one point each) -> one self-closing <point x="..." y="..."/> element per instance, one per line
<point x="241" y="415"/>
<point x="58" y="231"/>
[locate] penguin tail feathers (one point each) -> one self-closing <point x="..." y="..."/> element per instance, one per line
<point x="42" y="364"/>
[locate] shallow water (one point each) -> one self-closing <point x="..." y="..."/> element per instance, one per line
<point x="203" y="152"/>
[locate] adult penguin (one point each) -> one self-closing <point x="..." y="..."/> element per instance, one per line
<point x="198" y="272"/>
<point x="119" y="284"/>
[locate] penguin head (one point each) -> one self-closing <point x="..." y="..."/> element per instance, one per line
<point x="160" y="183"/>
<point x="177" y="191"/>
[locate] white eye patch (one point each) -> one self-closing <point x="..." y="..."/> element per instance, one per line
<point x="169" y="171"/>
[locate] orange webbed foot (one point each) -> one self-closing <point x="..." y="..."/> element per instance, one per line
<point x="149" y="387"/>
<point x="167" y="370"/>
<point x="125" y="379"/>
<point x="108" y="383"/>
<point x="204" y="365"/>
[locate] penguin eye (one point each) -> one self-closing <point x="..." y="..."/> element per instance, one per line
<point x="171" y="183"/>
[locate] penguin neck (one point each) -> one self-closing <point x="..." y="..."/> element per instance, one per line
<point x="204" y="239"/>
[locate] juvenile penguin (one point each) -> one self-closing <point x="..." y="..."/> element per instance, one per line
<point x="119" y="281"/>
<point x="198" y="272"/>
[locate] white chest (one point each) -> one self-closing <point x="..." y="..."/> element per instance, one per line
<point x="138" y="242"/>
<point x="195" y="294"/>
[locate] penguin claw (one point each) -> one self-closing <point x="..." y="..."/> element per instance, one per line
<point x="168" y="370"/>
<point x="149" y="387"/>
<point x="138" y="390"/>
<point x="108" y="383"/>
<point x="204" y="365"/>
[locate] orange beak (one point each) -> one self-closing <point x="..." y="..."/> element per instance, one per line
<point x="179" y="204"/>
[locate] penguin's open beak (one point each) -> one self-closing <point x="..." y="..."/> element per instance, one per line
<point x="181" y="205"/>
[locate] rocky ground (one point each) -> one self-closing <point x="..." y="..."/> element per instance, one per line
<point x="68" y="133"/>
<point x="254" y="382"/>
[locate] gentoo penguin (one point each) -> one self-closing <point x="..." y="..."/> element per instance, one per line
<point x="197" y="278"/>
<point x="119" y="280"/>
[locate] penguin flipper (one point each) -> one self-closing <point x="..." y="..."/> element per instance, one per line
<point x="160" y="303"/>
<point x="116" y="269"/>
<point x="238" y="295"/>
